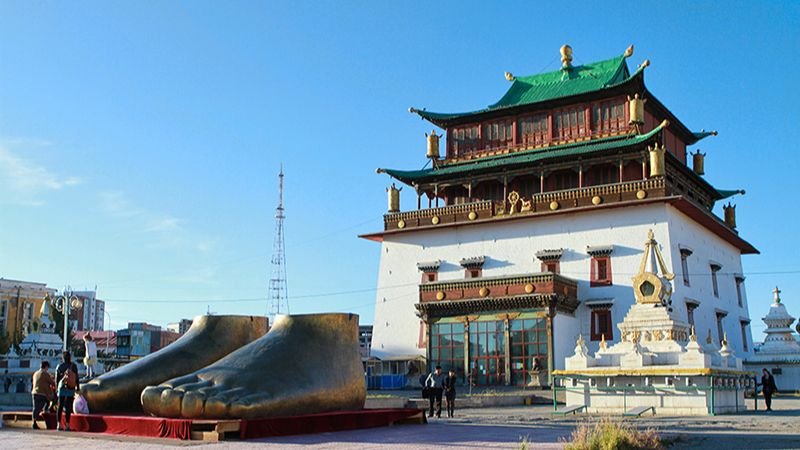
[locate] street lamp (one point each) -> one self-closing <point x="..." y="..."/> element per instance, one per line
<point x="108" y="337"/>
<point x="63" y="305"/>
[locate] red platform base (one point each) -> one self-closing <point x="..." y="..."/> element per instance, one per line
<point x="244" y="429"/>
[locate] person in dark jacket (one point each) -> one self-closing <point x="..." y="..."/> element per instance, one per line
<point x="66" y="393"/>
<point x="768" y="388"/>
<point x="450" y="392"/>
<point x="435" y="385"/>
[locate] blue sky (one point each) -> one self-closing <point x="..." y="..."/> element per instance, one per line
<point x="140" y="141"/>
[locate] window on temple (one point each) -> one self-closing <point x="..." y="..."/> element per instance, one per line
<point x="690" y="307"/>
<point x="464" y="140"/>
<point x="609" y="117"/>
<point x="600" y="265"/>
<point x="714" y="285"/>
<point x="528" y="345"/>
<point x="533" y="130"/>
<point x="602" y="324"/>
<point x="550" y="260"/>
<point x="430" y="271"/>
<point x="569" y="123"/>
<point x="739" y="285"/>
<point x="685" y="253"/>
<point x="743" y="325"/>
<point x="564" y="179"/>
<point x="720" y="329"/>
<point x="604" y="174"/>
<point x="487" y="352"/>
<point x="498" y="134"/>
<point x="473" y="267"/>
<point x="447" y="347"/>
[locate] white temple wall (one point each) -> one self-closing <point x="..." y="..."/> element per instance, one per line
<point x="707" y="248"/>
<point x="510" y="247"/>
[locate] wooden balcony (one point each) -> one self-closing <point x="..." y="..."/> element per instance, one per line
<point x="547" y="202"/>
<point x="540" y="290"/>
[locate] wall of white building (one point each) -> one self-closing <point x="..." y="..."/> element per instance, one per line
<point x="510" y="247"/>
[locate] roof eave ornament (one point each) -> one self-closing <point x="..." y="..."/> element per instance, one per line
<point x="628" y="51"/>
<point x="566" y="56"/>
<point x="510" y="76"/>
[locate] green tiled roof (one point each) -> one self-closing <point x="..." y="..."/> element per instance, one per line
<point x="698" y="135"/>
<point x="551" y="85"/>
<point x="724" y="193"/>
<point x="519" y="159"/>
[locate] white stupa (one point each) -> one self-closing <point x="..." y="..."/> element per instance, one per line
<point x="42" y="340"/>
<point x="780" y="352"/>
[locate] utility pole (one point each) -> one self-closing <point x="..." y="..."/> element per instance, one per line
<point x="278" y="292"/>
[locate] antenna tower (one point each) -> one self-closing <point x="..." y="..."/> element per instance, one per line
<point x="278" y="293"/>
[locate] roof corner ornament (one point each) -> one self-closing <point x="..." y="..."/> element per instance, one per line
<point x="636" y="110"/>
<point x="644" y="64"/>
<point x="394" y="198"/>
<point x="566" y="56"/>
<point x="510" y="76"/>
<point x="656" y="160"/>
<point x="433" y="145"/>
<point x="699" y="162"/>
<point x="628" y="51"/>
<point x="730" y="215"/>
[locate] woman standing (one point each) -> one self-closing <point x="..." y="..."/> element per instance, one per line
<point x="768" y="388"/>
<point x="450" y="392"/>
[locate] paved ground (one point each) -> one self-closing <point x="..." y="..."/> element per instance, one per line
<point x="489" y="428"/>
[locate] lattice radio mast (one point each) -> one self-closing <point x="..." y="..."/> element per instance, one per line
<point x="278" y="292"/>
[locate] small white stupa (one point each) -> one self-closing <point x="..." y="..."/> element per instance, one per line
<point x="42" y="340"/>
<point x="658" y="362"/>
<point x="780" y="353"/>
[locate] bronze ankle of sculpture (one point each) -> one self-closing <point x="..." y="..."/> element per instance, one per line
<point x="207" y="340"/>
<point x="305" y="364"/>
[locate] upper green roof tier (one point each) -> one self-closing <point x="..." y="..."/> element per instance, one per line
<point x="523" y="158"/>
<point x="562" y="83"/>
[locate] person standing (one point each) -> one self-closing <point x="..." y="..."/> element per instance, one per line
<point x="435" y="384"/>
<point x="450" y="392"/>
<point x="68" y="384"/>
<point x="42" y="391"/>
<point x="768" y="388"/>
<point x="91" y="354"/>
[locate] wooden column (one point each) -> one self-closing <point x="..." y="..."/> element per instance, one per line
<point x="550" y="348"/>
<point x="644" y="167"/>
<point x="621" y="165"/>
<point x="541" y="182"/>
<point x="436" y="191"/>
<point x="505" y="193"/>
<point x="466" y="351"/>
<point x="507" y="350"/>
<point x="580" y="175"/>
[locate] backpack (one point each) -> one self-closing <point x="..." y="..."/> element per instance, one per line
<point x="70" y="379"/>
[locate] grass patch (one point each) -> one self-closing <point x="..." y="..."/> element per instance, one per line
<point x="608" y="435"/>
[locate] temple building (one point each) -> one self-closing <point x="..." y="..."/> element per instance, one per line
<point x="525" y="234"/>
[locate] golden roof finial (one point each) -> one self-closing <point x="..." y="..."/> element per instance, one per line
<point x="510" y="76"/>
<point x="566" y="56"/>
<point x="628" y="51"/>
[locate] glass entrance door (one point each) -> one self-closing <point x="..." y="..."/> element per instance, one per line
<point x="487" y="352"/>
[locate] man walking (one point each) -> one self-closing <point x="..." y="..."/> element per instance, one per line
<point x="435" y="384"/>
<point x="42" y="391"/>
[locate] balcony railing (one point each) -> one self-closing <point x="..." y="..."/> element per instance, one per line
<point x="504" y="291"/>
<point x="538" y="203"/>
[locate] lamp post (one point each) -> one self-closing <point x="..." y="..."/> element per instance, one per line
<point x="63" y="304"/>
<point x="108" y="337"/>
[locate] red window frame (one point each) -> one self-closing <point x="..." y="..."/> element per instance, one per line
<point x="475" y="272"/>
<point x="551" y="266"/>
<point x="598" y="263"/>
<point x="534" y="130"/>
<point x="430" y="277"/>
<point x="498" y="134"/>
<point x="602" y="324"/>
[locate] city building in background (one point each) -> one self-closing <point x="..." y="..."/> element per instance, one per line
<point x="180" y="327"/>
<point x="20" y="307"/>
<point x="141" y="339"/>
<point x="90" y="316"/>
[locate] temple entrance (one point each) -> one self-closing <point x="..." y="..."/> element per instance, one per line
<point x="487" y="352"/>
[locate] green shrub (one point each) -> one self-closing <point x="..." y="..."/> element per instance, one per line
<point x="608" y="435"/>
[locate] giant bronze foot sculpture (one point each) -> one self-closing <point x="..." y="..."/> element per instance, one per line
<point x="305" y="364"/>
<point x="207" y="340"/>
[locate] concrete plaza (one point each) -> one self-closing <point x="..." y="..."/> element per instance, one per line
<point x="486" y="428"/>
